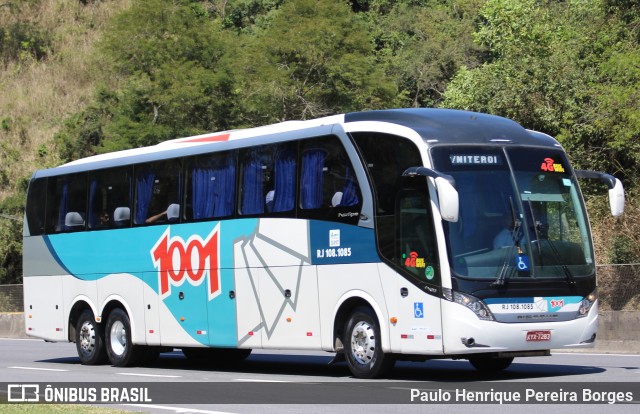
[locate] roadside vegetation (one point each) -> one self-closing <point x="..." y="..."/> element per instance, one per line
<point x="80" y="77"/>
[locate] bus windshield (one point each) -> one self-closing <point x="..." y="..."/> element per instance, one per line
<point x="521" y="215"/>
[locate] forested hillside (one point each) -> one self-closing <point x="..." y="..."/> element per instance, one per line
<point x="80" y="77"/>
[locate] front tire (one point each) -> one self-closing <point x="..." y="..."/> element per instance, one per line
<point x="90" y="340"/>
<point x="120" y="350"/>
<point x="363" y="345"/>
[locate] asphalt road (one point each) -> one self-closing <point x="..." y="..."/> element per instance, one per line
<point x="292" y="382"/>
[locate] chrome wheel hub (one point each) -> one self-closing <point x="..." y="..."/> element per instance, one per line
<point x="363" y="343"/>
<point x="87" y="338"/>
<point x="118" y="338"/>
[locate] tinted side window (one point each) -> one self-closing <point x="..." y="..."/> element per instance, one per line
<point x="328" y="186"/>
<point x="157" y="197"/>
<point x="109" y="198"/>
<point x="210" y="190"/>
<point x="35" y="209"/>
<point x="67" y="206"/>
<point x="386" y="158"/>
<point x="268" y="179"/>
<point x="416" y="251"/>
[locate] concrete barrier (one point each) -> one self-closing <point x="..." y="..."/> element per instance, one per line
<point x="12" y="325"/>
<point x="618" y="331"/>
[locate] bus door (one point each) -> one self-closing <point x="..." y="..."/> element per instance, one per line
<point x="419" y="322"/>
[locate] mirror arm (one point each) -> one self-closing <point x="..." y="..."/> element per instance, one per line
<point x="427" y="172"/>
<point x="607" y="179"/>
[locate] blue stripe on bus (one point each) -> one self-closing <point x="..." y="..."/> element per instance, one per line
<point x="141" y="252"/>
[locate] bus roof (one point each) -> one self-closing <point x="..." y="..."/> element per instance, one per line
<point x="435" y="126"/>
<point x="448" y="126"/>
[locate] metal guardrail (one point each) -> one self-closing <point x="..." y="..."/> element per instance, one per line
<point x="618" y="289"/>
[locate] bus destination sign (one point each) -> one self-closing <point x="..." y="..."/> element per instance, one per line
<point x="475" y="159"/>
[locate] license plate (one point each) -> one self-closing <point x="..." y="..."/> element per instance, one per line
<point x="538" y="336"/>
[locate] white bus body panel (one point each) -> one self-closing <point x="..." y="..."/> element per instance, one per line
<point x="489" y="336"/>
<point x="340" y="282"/>
<point x="276" y="288"/>
<point x="45" y="314"/>
<point x="418" y="329"/>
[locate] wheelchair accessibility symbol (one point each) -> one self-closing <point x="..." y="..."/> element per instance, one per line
<point x="418" y="310"/>
<point x="522" y="263"/>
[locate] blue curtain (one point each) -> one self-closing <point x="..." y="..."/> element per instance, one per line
<point x="202" y="191"/>
<point x="92" y="192"/>
<point x="252" y="202"/>
<point x="144" y="186"/>
<point x="225" y="187"/>
<point x="350" y="191"/>
<point x="285" y="181"/>
<point x="213" y="189"/>
<point x="312" y="178"/>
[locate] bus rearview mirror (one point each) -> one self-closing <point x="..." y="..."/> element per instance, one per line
<point x="616" y="199"/>
<point x="616" y="191"/>
<point x="448" y="198"/>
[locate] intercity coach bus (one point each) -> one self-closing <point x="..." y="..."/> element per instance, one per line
<point x="379" y="236"/>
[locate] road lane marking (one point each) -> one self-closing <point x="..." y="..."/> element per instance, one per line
<point x="177" y="409"/>
<point x="256" y="380"/>
<point x="41" y="369"/>
<point x="592" y="354"/>
<point x="134" y="374"/>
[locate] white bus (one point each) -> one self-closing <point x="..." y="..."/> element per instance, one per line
<point x="378" y="236"/>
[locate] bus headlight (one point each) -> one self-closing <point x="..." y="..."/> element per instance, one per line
<point x="586" y="304"/>
<point x="472" y="303"/>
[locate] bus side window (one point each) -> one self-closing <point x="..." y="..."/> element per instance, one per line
<point x="254" y="167"/>
<point x="157" y="193"/>
<point x="66" y="210"/>
<point x="210" y="190"/>
<point x="386" y="157"/>
<point x="416" y="246"/>
<point x="35" y="209"/>
<point x="109" y="198"/>
<point x="328" y="185"/>
<point x="268" y="179"/>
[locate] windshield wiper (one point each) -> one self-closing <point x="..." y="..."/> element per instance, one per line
<point x="536" y="226"/>
<point x="515" y="237"/>
<point x="571" y="280"/>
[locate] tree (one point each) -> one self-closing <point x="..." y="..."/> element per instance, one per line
<point x="168" y="55"/>
<point x="423" y="44"/>
<point x="314" y="59"/>
<point x="579" y="82"/>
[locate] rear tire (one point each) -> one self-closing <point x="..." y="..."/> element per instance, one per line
<point x="90" y="340"/>
<point x="363" y="345"/>
<point x="120" y="350"/>
<point x="488" y="365"/>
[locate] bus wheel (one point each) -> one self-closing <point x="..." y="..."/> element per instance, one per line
<point x="90" y="340"/>
<point x="121" y="351"/>
<point x="487" y="364"/>
<point x="363" y="347"/>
